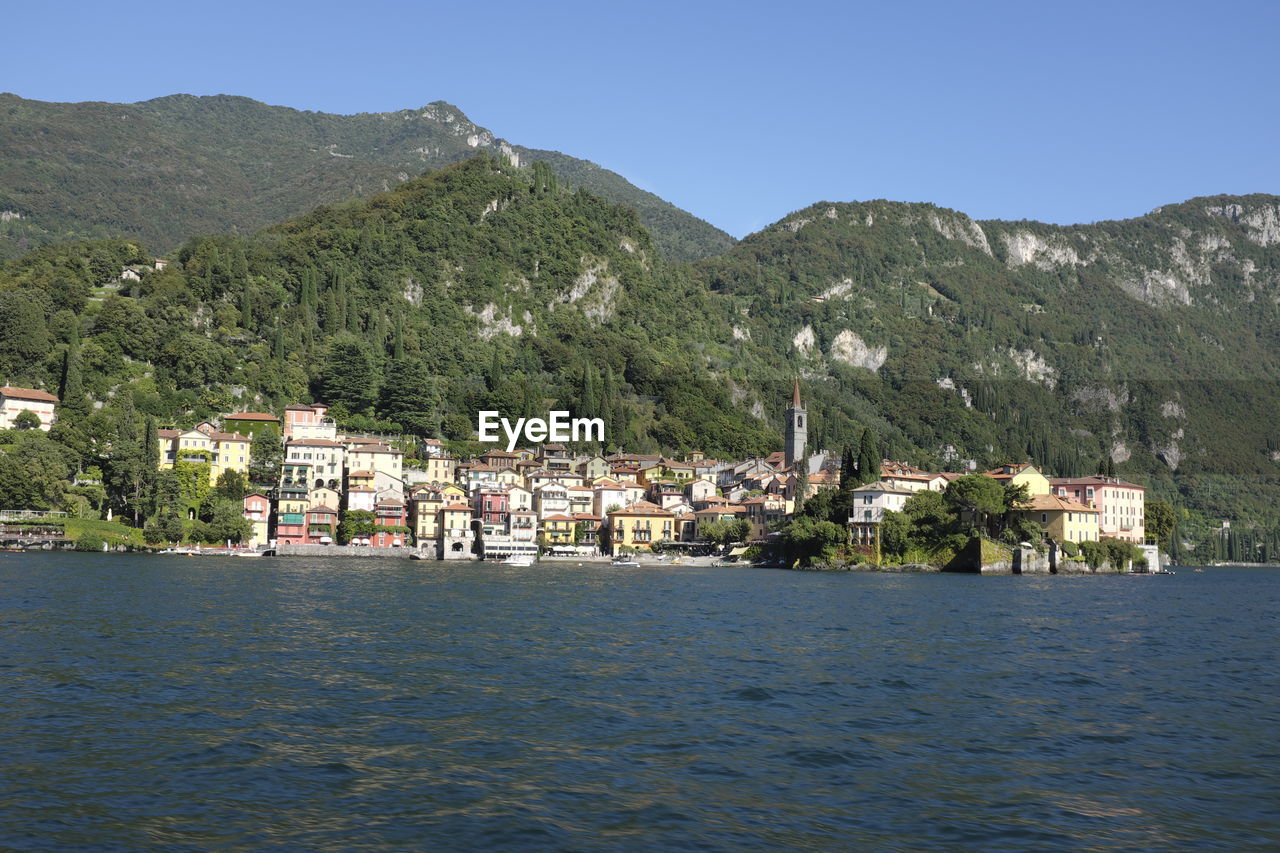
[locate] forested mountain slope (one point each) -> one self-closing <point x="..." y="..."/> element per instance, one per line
<point x="165" y="170"/>
<point x="485" y="286"/>
<point x="1155" y="341"/>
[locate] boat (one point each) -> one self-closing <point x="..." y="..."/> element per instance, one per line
<point x="518" y="560"/>
<point x="623" y="562"/>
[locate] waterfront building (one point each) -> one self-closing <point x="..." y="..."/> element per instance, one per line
<point x="322" y="525"/>
<point x="638" y="526"/>
<point x="557" y="529"/>
<point x="1121" y="505"/>
<point x="390" y="517"/>
<point x="257" y="508"/>
<point x="221" y="451"/>
<point x="425" y="503"/>
<point x="1063" y="519"/>
<point x="456" y="535"/>
<point x="870" y="503"/>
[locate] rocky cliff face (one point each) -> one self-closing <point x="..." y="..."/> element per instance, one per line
<point x="1154" y="341"/>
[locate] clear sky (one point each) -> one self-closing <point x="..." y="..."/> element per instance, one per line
<point x="741" y="112"/>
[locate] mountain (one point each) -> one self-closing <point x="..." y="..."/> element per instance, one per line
<point x="1153" y="341"/>
<point x="1150" y="342"/>
<point x="165" y="170"/>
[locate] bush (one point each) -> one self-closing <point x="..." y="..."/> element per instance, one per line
<point x="1094" y="553"/>
<point x="90" y="542"/>
<point x="1119" y="553"/>
<point x="1071" y="549"/>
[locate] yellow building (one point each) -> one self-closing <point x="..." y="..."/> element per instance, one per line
<point x="425" y="505"/>
<point x="639" y="525"/>
<point x="558" y="529"/>
<point x="223" y="451"/>
<point x="440" y="469"/>
<point x="1022" y="474"/>
<point x="1062" y="518"/>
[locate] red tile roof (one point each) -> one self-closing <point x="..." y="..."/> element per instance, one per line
<point x="251" y="416"/>
<point x="642" y="508"/>
<point x="27" y="394"/>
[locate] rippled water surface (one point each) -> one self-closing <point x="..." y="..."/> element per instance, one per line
<point x="222" y="704"/>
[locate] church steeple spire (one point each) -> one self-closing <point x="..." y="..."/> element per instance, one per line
<point x="797" y="429"/>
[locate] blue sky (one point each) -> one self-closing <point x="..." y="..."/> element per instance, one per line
<point x="742" y="112"/>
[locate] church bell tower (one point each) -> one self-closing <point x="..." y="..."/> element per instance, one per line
<point x="797" y="428"/>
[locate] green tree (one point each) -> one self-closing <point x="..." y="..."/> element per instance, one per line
<point x="347" y="375"/>
<point x="24" y="335"/>
<point x="231" y="486"/>
<point x="26" y="419"/>
<point x="1159" y="520"/>
<point x="72" y="404"/>
<point x="227" y="523"/>
<point x="895" y="535"/>
<point x="868" y="458"/>
<point x="976" y="496"/>
<point x="266" y="455"/>
<point x="410" y="397"/>
<point x="356" y="523"/>
<point x="806" y="540"/>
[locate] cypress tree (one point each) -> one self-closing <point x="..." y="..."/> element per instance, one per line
<point x="331" y="319"/>
<point x="848" y="469"/>
<point x="352" y="315"/>
<point x="868" y="458"/>
<point x="72" y="404"/>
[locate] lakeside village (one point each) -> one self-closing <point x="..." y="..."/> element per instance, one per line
<point x="348" y="493"/>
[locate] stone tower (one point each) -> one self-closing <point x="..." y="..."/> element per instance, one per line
<point x="797" y="428"/>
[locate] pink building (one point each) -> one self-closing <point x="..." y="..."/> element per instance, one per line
<point x="322" y="526"/>
<point x="303" y="421"/>
<point x="492" y="506"/>
<point x="1121" y="505"/>
<point x="390" y="513"/>
<point x="257" y="508"/>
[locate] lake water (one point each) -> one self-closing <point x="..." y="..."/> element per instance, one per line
<point x="292" y="704"/>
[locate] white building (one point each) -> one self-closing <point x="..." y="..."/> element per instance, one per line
<point x="870" y="503"/>
<point x="15" y="401"/>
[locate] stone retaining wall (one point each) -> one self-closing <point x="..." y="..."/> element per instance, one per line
<point x="341" y="551"/>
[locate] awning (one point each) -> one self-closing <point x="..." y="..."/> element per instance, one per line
<point x="738" y="552"/>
